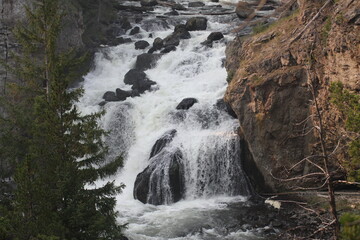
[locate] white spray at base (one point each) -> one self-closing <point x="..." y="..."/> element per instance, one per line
<point x="205" y="135"/>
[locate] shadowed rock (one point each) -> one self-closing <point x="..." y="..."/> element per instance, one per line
<point x="162" y="142"/>
<point x="186" y="103"/>
<point x="146" y="61"/>
<point x="196" y="24"/>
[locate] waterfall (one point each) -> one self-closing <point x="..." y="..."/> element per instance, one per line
<point x="189" y="156"/>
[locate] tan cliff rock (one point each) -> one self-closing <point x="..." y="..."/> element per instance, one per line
<point x="269" y="88"/>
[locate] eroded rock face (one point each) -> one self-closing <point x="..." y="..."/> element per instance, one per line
<point x="269" y="89"/>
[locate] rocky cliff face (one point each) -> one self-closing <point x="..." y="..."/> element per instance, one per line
<point x="270" y="74"/>
<point x="86" y="25"/>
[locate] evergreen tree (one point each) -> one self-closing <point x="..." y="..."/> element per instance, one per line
<point x="58" y="151"/>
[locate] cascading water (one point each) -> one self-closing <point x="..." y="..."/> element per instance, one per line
<point x="198" y="162"/>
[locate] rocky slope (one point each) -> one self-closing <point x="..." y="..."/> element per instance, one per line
<point x="270" y="74"/>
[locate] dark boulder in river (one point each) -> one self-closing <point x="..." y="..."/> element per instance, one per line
<point x="148" y="3"/>
<point x="162" y="182"/>
<point x="162" y="142"/>
<point x="110" y="97"/>
<point x="142" y="44"/>
<point x="146" y="61"/>
<point x="186" y="103"/>
<point x="196" y="24"/>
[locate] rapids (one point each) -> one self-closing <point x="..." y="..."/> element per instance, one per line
<point x="206" y="136"/>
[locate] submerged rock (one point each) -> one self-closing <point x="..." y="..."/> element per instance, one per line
<point x="186" y="103"/>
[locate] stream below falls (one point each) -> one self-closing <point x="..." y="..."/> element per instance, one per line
<point x="186" y="163"/>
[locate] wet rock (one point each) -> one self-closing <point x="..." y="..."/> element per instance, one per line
<point x="134" y="31"/>
<point x="171" y="40"/>
<point x="162" y="182"/>
<point x="178" y="7"/>
<point x="126" y="25"/>
<point x="215" y="36"/>
<point x="172" y="13"/>
<point x="168" y="49"/>
<point x="134" y="75"/>
<point x="102" y="103"/>
<point x="142" y="44"/>
<point x="110" y="96"/>
<point x="122" y="94"/>
<point x="158" y="43"/>
<point x="196" y="4"/>
<point x="224" y="106"/>
<point x="162" y="142"/>
<point x="243" y="10"/>
<point x="181" y="32"/>
<point x="148" y="3"/>
<point x="196" y="24"/>
<point x="146" y="61"/>
<point x="186" y="103"/>
<point x="142" y="86"/>
<point x="119" y="40"/>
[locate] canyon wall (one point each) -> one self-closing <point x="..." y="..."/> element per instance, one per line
<point x="271" y="75"/>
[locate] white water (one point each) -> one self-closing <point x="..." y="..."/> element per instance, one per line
<point x="135" y="124"/>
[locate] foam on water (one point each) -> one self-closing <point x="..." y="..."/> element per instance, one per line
<point x="135" y="124"/>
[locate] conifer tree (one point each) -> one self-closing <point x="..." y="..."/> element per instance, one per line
<point x="58" y="151"/>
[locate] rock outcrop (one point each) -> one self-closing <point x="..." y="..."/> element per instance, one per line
<point x="86" y="25"/>
<point x="270" y="74"/>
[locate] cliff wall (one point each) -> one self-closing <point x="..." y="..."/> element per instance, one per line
<point x="86" y="25"/>
<point x="270" y="79"/>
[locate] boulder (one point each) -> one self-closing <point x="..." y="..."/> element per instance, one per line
<point x="172" y="13"/>
<point x="171" y="40"/>
<point x="110" y="96"/>
<point x="122" y="94"/>
<point x="134" y="31"/>
<point x="163" y="181"/>
<point x="146" y="61"/>
<point x="196" y="4"/>
<point x="134" y="75"/>
<point x="125" y="24"/>
<point x="148" y="3"/>
<point x="215" y="36"/>
<point x="142" y="44"/>
<point x="196" y="24"/>
<point x="243" y="10"/>
<point x="162" y="142"/>
<point x="224" y="106"/>
<point x="142" y="86"/>
<point x="158" y="43"/>
<point x="168" y="49"/>
<point x="186" y="103"/>
<point x="181" y="32"/>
